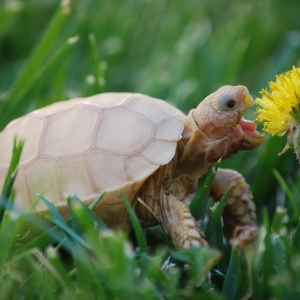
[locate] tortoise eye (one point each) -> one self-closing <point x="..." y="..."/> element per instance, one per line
<point x="231" y="103"/>
<point x="228" y="103"/>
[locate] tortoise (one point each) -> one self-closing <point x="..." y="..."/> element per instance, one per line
<point x="143" y="146"/>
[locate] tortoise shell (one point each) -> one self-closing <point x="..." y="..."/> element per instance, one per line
<point x="86" y="146"/>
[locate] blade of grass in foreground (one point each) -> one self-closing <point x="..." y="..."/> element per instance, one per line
<point x="135" y="223"/>
<point x="203" y="191"/>
<point x="200" y="261"/>
<point x="233" y="275"/>
<point x="88" y="210"/>
<point x="289" y="194"/>
<point x="54" y="234"/>
<point x="215" y="216"/>
<point x="75" y="237"/>
<point x="268" y="259"/>
<point x="11" y="176"/>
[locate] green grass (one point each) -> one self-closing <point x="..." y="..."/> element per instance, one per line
<point x="180" y="52"/>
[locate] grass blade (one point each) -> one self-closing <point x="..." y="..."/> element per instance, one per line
<point x="200" y="260"/>
<point x="289" y="194"/>
<point x="35" y="61"/>
<point x="279" y="219"/>
<point x="233" y="276"/>
<point x="87" y="210"/>
<point x="11" y="177"/>
<point x="46" y="71"/>
<point x="57" y="265"/>
<point x="135" y="223"/>
<point x="268" y="260"/>
<point x="296" y="237"/>
<point x="52" y="208"/>
<point x="53" y="235"/>
<point x="99" y="68"/>
<point x="74" y="217"/>
<point x="95" y="203"/>
<point x="70" y="232"/>
<point x="7" y="14"/>
<point x="216" y="214"/>
<point x="203" y="191"/>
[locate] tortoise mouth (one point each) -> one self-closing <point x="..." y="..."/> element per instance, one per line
<point x="246" y="131"/>
<point x="249" y="128"/>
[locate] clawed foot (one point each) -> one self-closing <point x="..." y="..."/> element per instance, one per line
<point x="244" y="236"/>
<point x="190" y="234"/>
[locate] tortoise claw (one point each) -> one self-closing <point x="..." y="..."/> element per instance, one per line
<point x="244" y="236"/>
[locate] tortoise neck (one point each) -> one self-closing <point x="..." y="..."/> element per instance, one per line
<point x="196" y="151"/>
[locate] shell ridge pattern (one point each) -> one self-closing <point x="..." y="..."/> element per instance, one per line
<point x="59" y="159"/>
<point x="28" y="189"/>
<point x="151" y="162"/>
<point x="36" y="113"/>
<point x="182" y="118"/>
<point x="90" y="106"/>
<point x="95" y="188"/>
<point x="126" y="97"/>
<point x="138" y="113"/>
<point x="127" y="154"/>
<point x="128" y="176"/>
<point x="42" y="138"/>
<point x="57" y="169"/>
<point x="31" y="115"/>
<point x="166" y="141"/>
<point x="96" y="129"/>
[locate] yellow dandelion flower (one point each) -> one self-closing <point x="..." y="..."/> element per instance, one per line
<point x="280" y="110"/>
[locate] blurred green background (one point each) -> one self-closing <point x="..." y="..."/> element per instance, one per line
<point x="179" y="51"/>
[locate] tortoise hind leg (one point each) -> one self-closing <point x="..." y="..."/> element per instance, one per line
<point x="239" y="214"/>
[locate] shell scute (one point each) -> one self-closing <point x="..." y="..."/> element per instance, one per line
<point x="155" y="113"/>
<point x="77" y="169"/>
<point x="69" y="132"/>
<point x="155" y="155"/>
<point x="123" y="131"/>
<point x="169" y="129"/>
<point x="27" y="128"/>
<point x="138" y="167"/>
<point x="56" y="107"/>
<point x="107" y="170"/>
<point x="42" y="179"/>
<point x="22" y="197"/>
<point x="107" y="100"/>
<point x="2" y="179"/>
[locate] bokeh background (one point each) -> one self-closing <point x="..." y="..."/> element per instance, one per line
<point x="179" y="51"/>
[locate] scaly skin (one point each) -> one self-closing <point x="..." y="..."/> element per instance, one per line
<point x="212" y="131"/>
<point x="239" y="214"/>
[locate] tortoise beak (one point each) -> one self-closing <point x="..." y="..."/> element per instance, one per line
<point x="250" y="134"/>
<point x="246" y="135"/>
<point x="245" y="131"/>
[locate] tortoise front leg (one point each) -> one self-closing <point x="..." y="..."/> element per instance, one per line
<point x="178" y="220"/>
<point x="239" y="213"/>
<point x="172" y="213"/>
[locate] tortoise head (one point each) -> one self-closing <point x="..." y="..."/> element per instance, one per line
<point x="220" y="117"/>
